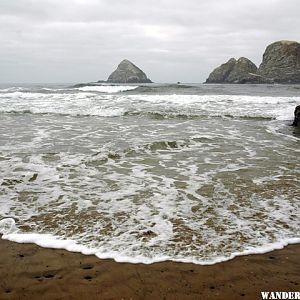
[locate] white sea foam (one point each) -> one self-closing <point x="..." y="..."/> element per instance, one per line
<point x="7" y="226"/>
<point x="80" y="104"/>
<point x="107" y="88"/>
<point x="280" y="108"/>
<point x="108" y="104"/>
<point x="129" y="216"/>
<point x="11" y="89"/>
<point x="53" y="242"/>
<point x="189" y="176"/>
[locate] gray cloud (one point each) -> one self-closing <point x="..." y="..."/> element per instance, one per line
<point x="171" y="40"/>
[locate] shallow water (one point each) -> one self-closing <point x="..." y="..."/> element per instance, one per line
<point x="197" y="173"/>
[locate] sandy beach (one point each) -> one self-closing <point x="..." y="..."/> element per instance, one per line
<point x="32" y="272"/>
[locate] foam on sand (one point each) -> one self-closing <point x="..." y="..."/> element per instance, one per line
<point x="10" y="232"/>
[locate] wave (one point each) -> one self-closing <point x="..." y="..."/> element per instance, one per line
<point x="100" y="112"/>
<point x="165" y="89"/>
<point x="121" y="112"/>
<point x="189" y="116"/>
<point x="107" y="88"/>
<point x="162" y="115"/>
<point x="102" y="157"/>
<point x="219" y="89"/>
<point x="10" y="232"/>
<point x="37" y="91"/>
<point x="158" y="106"/>
<point x="12" y="89"/>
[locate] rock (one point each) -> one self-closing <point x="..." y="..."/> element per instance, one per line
<point x="220" y="74"/>
<point x="242" y="71"/>
<point x="234" y="71"/>
<point x="281" y="62"/>
<point x="127" y="72"/>
<point x="297" y="117"/>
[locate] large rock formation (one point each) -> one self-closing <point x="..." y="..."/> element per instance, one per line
<point x="281" y="62"/>
<point x="127" y="72"/>
<point x="220" y="74"/>
<point x="242" y="71"/>
<point x="297" y="116"/>
<point x="234" y="71"/>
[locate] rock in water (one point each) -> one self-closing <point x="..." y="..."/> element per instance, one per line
<point x="297" y="116"/>
<point x="234" y="71"/>
<point x="242" y="71"/>
<point x="220" y="74"/>
<point x="281" y="62"/>
<point x="127" y="72"/>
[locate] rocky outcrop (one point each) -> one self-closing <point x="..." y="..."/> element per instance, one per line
<point x="220" y="74"/>
<point x="242" y="71"/>
<point x="127" y="72"/>
<point x="234" y="71"/>
<point x="297" y="116"/>
<point x="281" y="62"/>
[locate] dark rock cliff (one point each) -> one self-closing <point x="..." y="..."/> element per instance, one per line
<point x="281" y="62"/>
<point x="234" y="71"/>
<point x="127" y="72"/>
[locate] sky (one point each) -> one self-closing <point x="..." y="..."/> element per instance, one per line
<point x="71" y="41"/>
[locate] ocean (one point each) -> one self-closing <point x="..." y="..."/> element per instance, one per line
<point x="192" y="173"/>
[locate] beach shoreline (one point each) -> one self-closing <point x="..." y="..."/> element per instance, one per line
<point x="31" y="272"/>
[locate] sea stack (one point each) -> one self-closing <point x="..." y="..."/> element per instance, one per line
<point x="234" y="71"/>
<point x="127" y="72"/>
<point x="281" y="62"/>
<point x="297" y="117"/>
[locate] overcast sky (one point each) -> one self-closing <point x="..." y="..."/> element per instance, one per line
<point x="171" y="40"/>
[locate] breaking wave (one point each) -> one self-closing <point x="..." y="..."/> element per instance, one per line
<point x="152" y="173"/>
<point x="90" y="102"/>
<point x="107" y="88"/>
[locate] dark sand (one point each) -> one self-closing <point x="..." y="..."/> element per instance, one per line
<point x="30" y="272"/>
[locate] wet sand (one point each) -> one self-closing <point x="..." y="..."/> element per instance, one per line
<point x="30" y="272"/>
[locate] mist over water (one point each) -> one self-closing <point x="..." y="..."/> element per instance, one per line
<point x="193" y="173"/>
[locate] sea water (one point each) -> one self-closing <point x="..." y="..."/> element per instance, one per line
<point x="191" y="173"/>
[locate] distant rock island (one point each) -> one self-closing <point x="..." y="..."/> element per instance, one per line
<point x="281" y="64"/>
<point x="233" y="71"/>
<point x="127" y="72"/>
